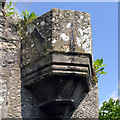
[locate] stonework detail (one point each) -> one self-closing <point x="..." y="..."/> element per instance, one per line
<point x="88" y="108"/>
<point x="63" y="31"/>
<point x="10" y="84"/>
<point x="55" y="27"/>
<point x="60" y="26"/>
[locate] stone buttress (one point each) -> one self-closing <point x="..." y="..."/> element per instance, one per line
<point x="49" y="72"/>
<point x="56" y="64"/>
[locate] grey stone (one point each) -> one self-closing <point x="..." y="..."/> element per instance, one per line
<point x="60" y="36"/>
<point x="53" y="34"/>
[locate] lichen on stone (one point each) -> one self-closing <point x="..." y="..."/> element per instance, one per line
<point x="42" y="23"/>
<point x="78" y="40"/>
<point x="80" y="31"/>
<point x="68" y="25"/>
<point x="64" y="37"/>
<point x="53" y="41"/>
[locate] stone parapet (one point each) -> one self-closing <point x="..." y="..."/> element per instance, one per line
<point x="63" y="31"/>
<point x="58" y="47"/>
<point x="56" y="67"/>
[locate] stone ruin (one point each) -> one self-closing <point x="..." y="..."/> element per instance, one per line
<point x="49" y="72"/>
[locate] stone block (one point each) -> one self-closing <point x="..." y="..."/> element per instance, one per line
<point x="56" y="60"/>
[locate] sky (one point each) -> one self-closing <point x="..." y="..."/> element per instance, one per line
<point x="104" y="21"/>
<point x="118" y="53"/>
<point x="64" y="0"/>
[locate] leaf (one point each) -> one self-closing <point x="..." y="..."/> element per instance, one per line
<point x="109" y="110"/>
<point x="11" y="13"/>
<point x="7" y="15"/>
<point x="27" y="13"/>
<point x="101" y="61"/>
<point x="11" y="8"/>
<point x="102" y="72"/>
<point x="31" y="16"/>
<point x="102" y="69"/>
<point x="10" y="3"/>
<point x="103" y="65"/>
<point x="24" y="15"/>
<point x="8" y="6"/>
<point x="36" y="16"/>
<point x="98" y="62"/>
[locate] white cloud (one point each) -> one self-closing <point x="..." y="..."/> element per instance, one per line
<point x="100" y="105"/>
<point x="114" y="96"/>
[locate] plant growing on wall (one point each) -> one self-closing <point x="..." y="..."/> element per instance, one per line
<point x="22" y="23"/>
<point x="28" y="17"/>
<point x="10" y="9"/>
<point x="98" y="68"/>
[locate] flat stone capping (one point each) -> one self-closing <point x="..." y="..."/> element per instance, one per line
<point x="57" y="63"/>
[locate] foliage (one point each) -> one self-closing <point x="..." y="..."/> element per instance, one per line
<point x="10" y="10"/>
<point x="28" y="17"/>
<point x="22" y="23"/>
<point x="98" y="69"/>
<point x="110" y="110"/>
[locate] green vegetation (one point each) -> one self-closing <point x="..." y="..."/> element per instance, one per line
<point x="98" y="68"/>
<point x="28" y="17"/>
<point x="10" y="9"/>
<point x="110" y="110"/>
<point x="23" y="20"/>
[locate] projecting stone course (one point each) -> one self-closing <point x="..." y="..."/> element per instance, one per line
<point x="55" y="27"/>
<point x="62" y="31"/>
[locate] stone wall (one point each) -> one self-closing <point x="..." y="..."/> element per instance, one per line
<point x="57" y="28"/>
<point x="10" y="84"/>
<point x="88" y="107"/>
<point x="16" y="101"/>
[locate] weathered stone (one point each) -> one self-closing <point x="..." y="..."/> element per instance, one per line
<point x="10" y="84"/>
<point x="58" y="44"/>
<point x="59" y="36"/>
<point x="60" y="30"/>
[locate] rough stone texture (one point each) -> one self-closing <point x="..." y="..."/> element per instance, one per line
<point x="15" y="100"/>
<point x="63" y="31"/>
<point x="0" y="6"/>
<point x="89" y="106"/>
<point x="10" y="89"/>
<point x="55" y="27"/>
